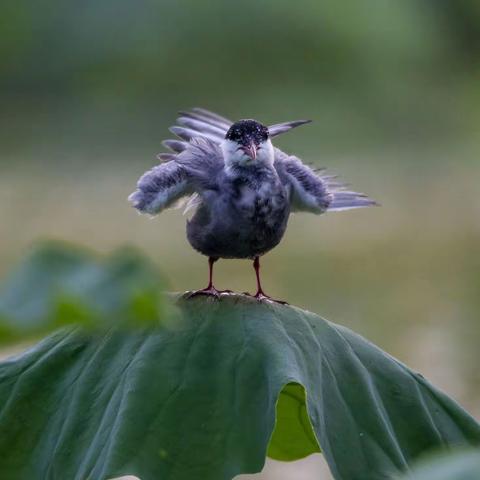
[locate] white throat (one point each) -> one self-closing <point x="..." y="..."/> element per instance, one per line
<point x="234" y="156"/>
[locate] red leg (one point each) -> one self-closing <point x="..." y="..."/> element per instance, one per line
<point x="256" y="266"/>
<point x="260" y="295"/>
<point x="209" y="289"/>
<point x="211" y="261"/>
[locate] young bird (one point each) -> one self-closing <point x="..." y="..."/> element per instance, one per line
<point x="243" y="188"/>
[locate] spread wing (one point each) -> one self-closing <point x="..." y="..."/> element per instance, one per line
<point x="193" y="163"/>
<point x="160" y="188"/>
<point x="197" y="123"/>
<point x="192" y="171"/>
<point x="313" y="191"/>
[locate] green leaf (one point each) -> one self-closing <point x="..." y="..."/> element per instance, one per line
<point x="197" y="400"/>
<point x="58" y="285"/>
<point x="461" y="465"/>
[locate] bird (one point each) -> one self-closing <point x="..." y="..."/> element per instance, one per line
<point x="242" y="188"/>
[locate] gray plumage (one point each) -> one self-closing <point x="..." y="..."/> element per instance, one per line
<point x="242" y="207"/>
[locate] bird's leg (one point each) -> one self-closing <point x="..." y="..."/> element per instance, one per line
<point x="260" y="295"/>
<point x="209" y="289"/>
<point x="256" y="265"/>
<point x="211" y="261"/>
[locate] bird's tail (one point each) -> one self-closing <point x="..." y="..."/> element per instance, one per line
<point x="347" y="200"/>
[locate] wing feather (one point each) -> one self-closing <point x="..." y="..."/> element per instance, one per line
<point x="307" y="190"/>
<point x="280" y="128"/>
<point x="347" y="200"/>
<point x="208" y="120"/>
<point x="175" y="145"/>
<point x="188" y="133"/>
<point x="203" y="162"/>
<point x="202" y="123"/>
<point x="160" y="188"/>
<point x="314" y="192"/>
<point x="202" y="127"/>
<point x="192" y="164"/>
<point x="166" y="157"/>
<point x="211" y="115"/>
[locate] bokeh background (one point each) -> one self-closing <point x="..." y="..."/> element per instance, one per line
<point x="88" y="90"/>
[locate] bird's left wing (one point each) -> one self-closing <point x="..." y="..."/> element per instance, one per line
<point x="314" y="191"/>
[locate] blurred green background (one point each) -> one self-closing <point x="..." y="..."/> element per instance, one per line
<point x="88" y="90"/>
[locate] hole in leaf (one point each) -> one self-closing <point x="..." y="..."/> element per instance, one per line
<point x="293" y="436"/>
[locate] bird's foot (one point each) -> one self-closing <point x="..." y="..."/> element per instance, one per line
<point x="209" y="291"/>
<point x="261" y="296"/>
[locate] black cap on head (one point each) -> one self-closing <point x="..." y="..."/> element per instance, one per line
<point x="247" y="131"/>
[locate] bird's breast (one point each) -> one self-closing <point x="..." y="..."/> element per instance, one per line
<point x="243" y="221"/>
<point x="261" y="204"/>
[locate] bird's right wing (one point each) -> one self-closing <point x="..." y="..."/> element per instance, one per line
<point x="192" y="164"/>
<point x="161" y="187"/>
<point x="203" y="162"/>
<point x="195" y="169"/>
<point x="196" y="123"/>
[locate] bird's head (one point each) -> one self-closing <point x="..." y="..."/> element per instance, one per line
<point x="247" y="142"/>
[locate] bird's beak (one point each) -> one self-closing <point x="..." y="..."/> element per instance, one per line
<point x="250" y="150"/>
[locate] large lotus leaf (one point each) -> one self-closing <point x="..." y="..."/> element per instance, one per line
<point x="198" y="400"/>
<point x="57" y="284"/>
<point x="462" y="465"/>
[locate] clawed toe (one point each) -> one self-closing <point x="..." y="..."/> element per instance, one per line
<point x="260" y="296"/>
<point x="211" y="291"/>
<point x="266" y="298"/>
